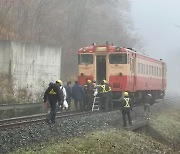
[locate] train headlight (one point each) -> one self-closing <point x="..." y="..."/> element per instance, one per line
<point x="118" y="49"/>
<point x="84" y="49"/>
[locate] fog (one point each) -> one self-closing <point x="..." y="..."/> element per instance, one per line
<point x="74" y="24"/>
<point x="157" y="22"/>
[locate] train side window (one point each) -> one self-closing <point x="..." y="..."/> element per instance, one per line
<point x="160" y="72"/>
<point x="151" y="70"/>
<point x="138" y="67"/>
<point x="143" y="69"/>
<point x="144" y="66"/>
<point x="155" y="71"/>
<point x="147" y="69"/>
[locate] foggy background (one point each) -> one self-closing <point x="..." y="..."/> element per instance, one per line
<point x="150" y="26"/>
<point x="157" y="22"/>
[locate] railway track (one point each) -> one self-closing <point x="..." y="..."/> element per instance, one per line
<point x="26" y="120"/>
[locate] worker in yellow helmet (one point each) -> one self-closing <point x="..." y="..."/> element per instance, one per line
<point x="53" y="95"/>
<point x="105" y="96"/>
<point x="126" y="109"/>
<point x="59" y="82"/>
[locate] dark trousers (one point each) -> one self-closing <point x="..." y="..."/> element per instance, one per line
<point x="80" y="101"/>
<point x="104" y="105"/>
<point x="89" y="102"/>
<point x="126" y="114"/>
<point x="147" y="110"/>
<point x="52" y="113"/>
<point x="69" y="103"/>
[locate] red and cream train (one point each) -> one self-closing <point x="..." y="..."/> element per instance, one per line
<point x="124" y="69"/>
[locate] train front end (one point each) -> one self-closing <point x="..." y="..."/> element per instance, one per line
<point x="104" y="62"/>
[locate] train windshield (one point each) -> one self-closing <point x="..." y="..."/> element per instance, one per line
<point x="85" y="59"/>
<point x="118" y="58"/>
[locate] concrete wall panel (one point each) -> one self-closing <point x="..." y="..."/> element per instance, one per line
<point x="32" y="66"/>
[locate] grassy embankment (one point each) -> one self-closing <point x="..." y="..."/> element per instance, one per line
<point x="113" y="141"/>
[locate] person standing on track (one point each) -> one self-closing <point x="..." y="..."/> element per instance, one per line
<point x="147" y="105"/>
<point x="89" y="91"/>
<point x="78" y="95"/>
<point x="63" y="103"/>
<point x="126" y="109"/>
<point x="104" y="94"/>
<point x="53" y="95"/>
<point x="69" y="94"/>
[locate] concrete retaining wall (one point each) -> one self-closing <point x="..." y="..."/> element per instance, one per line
<point x="32" y="66"/>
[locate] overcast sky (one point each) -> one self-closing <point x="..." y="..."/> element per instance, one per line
<point x="158" y="23"/>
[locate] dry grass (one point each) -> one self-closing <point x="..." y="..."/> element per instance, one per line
<point x="168" y="125"/>
<point x="119" y="142"/>
<point x="103" y="143"/>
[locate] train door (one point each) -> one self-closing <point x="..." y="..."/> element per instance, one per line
<point x="133" y="70"/>
<point x="100" y="68"/>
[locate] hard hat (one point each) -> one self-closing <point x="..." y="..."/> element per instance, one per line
<point x="149" y="94"/>
<point x="104" y="81"/>
<point x="126" y="94"/>
<point x="59" y="81"/>
<point x="88" y="81"/>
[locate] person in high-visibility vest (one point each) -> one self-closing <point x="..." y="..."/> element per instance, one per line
<point x="126" y="109"/>
<point x="52" y="94"/>
<point x="104" y="95"/>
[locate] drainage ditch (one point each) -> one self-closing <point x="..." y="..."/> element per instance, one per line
<point x="150" y="131"/>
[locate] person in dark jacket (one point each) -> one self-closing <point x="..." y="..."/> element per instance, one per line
<point x="78" y="95"/>
<point x="89" y="91"/>
<point x="147" y="105"/>
<point x="68" y="94"/>
<point x="126" y="108"/>
<point x="53" y="95"/>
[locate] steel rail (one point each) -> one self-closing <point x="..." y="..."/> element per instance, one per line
<point x="40" y="118"/>
<point x="19" y="106"/>
<point x="30" y="117"/>
<point x="14" y="122"/>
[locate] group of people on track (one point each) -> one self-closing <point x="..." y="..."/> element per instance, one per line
<point x="60" y="97"/>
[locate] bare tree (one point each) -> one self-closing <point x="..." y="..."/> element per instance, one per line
<point x="72" y="24"/>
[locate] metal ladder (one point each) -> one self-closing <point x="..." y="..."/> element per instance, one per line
<point x="95" y="106"/>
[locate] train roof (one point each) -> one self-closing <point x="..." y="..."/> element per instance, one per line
<point x="113" y="49"/>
